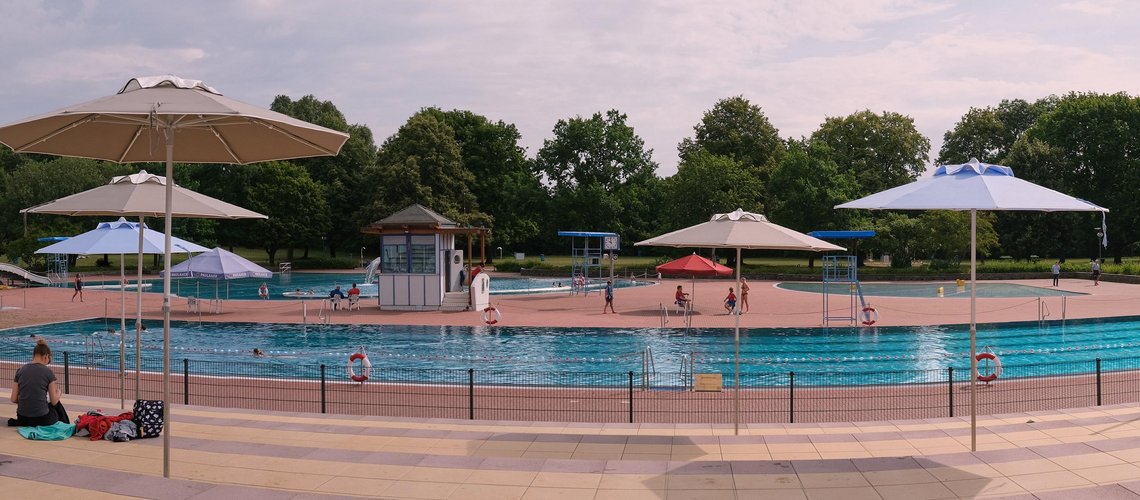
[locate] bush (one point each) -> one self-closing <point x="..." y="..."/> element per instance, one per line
<point x="514" y="266"/>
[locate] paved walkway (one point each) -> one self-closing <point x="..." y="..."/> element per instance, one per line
<point x="224" y="453"/>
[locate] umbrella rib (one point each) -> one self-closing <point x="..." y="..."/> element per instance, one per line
<point x="225" y="144"/>
<point x="295" y="137"/>
<point x="52" y="134"/>
<point x="131" y="144"/>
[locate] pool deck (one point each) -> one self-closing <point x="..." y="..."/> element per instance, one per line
<point x="227" y="453"/>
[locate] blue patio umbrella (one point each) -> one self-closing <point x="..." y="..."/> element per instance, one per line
<point x="219" y="264"/>
<point x="120" y="237"/>
<point x="974" y="186"/>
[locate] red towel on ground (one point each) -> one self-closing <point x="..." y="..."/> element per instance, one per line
<point x="98" y="425"/>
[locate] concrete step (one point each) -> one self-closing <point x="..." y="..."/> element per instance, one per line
<point x="454" y="301"/>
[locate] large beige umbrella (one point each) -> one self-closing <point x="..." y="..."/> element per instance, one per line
<point x="142" y="195"/>
<point x="142" y="123"/>
<point x="739" y="230"/>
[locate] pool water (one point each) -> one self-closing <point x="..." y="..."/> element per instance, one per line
<point x="321" y="283"/>
<point x="930" y="289"/>
<point x="849" y="356"/>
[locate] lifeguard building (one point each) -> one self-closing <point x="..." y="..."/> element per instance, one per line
<point x="420" y="268"/>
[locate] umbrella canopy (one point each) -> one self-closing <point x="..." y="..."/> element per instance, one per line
<point x="739" y="230"/>
<point x="973" y="186"/>
<point x="694" y="265"/>
<point x="219" y="264"/>
<point x="143" y="121"/>
<point x="143" y="195"/>
<point x="119" y="237"/>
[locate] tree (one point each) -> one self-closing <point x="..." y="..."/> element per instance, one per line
<point x="504" y="186"/>
<point x="40" y="181"/>
<point x="737" y="129"/>
<point x="705" y="184"/>
<point x="297" y="203"/>
<point x="600" y="176"/>
<point x="989" y="133"/>
<point x="341" y="175"/>
<point x="423" y="163"/>
<point x="880" y="151"/>
<point x="1086" y="147"/>
<point x="806" y="187"/>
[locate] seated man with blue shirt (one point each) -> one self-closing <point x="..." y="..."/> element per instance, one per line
<point x="336" y="296"/>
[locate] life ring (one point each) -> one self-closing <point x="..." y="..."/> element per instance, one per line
<point x="365" y="367"/>
<point x="871" y="314"/>
<point x="997" y="367"/>
<point x="491" y="315"/>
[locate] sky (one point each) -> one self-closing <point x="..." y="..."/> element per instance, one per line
<point x="534" y="62"/>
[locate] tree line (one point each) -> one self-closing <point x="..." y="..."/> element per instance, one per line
<point x="595" y="174"/>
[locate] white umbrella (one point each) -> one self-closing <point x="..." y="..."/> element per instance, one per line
<point x="121" y="237"/>
<point x="739" y="230"/>
<point x="147" y="112"/>
<point x="219" y="264"/>
<point x="973" y="186"/>
<point x="142" y="195"/>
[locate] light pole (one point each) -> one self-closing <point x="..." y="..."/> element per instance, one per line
<point x="362" y="257"/>
<point x="500" y="253"/>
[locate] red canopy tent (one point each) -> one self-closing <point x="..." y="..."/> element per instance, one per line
<point x="694" y="265"/>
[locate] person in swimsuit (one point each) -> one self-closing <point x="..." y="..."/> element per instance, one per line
<point x="730" y="301"/>
<point x="743" y="295"/>
<point x="78" y="288"/>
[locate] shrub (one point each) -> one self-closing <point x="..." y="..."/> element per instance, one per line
<point x="325" y="263"/>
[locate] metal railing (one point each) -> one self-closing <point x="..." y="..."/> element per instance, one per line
<point x="509" y="393"/>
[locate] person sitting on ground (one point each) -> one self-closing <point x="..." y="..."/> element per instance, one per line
<point x="336" y="295"/>
<point x="263" y="292"/>
<point x="730" y="301"/>
<point x="36" y="392"/>
<point x="258" y="353"/>
<point x="681" y="298"/>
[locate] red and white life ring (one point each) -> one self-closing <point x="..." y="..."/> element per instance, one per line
<point x="491" y="315"/>
<point x="365" y="367"/>
<point x="997" y="367"/>
<point x="870" y="315"/>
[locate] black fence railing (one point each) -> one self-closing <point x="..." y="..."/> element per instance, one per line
<point x="604" y="396"/>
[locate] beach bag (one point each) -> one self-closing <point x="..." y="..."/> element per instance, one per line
<point x="148" y="417"/>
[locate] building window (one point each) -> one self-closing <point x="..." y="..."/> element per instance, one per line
<point x="408" y="254"/>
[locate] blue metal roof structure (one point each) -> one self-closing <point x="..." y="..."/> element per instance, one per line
<point x="841" y="235"/>
<point x="52" y="238"/>
<point x="585" y="234"/>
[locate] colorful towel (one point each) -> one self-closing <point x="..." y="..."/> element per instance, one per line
<point x="54" y="432"/>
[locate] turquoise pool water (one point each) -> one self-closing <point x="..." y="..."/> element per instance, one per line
<point x="849" y="356"/>
<point x="321" y="283"/>
<point x="930" y="289"/>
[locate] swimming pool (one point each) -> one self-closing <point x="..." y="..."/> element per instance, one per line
<point x="321" y="283"/>
<point x="930" y="289"/>
<point x="849" y="356"/>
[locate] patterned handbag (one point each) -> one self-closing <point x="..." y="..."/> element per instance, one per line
<point x="148" y="417"/>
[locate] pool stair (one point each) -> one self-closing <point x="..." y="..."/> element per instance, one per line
<point x="454" y="301"/>
<point x="237" y="453"/>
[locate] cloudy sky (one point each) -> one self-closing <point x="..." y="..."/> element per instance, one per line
<point x="533" y="62"/>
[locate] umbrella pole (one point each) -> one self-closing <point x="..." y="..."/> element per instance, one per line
<point x="736" y="361"/>
<point x="122" y="332"/>
<point x="973" y="330"/>
<point x="168" y="222"/>
<point x="138" y="313"/>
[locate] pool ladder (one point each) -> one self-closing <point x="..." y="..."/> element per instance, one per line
<point x="686" y="316"/>
<point x="688" y="367"/>
<point x="93" y="351"/>
<point x="648" y="368"/>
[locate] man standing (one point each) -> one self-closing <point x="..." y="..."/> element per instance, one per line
<point x="1096" y="272"/>
<point x="609" y="298"/>
<point x="1056" y="273"/>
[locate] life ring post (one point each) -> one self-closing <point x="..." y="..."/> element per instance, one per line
<point x="993" y="374"/>
<point x="491" y="315"/>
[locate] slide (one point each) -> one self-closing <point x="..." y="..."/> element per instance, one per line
<point x="24" y="274"/>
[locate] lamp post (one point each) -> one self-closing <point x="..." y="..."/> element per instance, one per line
<point x="362" y="264"/>
<point x="500" y="253"/>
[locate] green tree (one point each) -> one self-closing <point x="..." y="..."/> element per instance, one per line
<point x="600" y="176"/>
<point x="504" y="186"/>
<point x="989" y="133"/>
<point x="880" y="151"/>
<point x="806" y="187"/>
<point x="705" y="184"/>
<point x="298" y="205"/>
<point x="423" y="163"/>
<point x="39" y="181"/>
<point x="737" y="129"/>
<point x="1086" y="147"/>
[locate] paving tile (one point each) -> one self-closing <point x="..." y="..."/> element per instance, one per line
<point x="846" y="493"/>
<point x="566" y="480"/>
<point x="1110" y="492"/>
<point x="825" y="466"/>
<point x="534" y="493"/>
<point x="915" y="491"/>
<point x="1109" y="473"/>
<point x="487" y="492"/>
<point x="1045" y="481"/>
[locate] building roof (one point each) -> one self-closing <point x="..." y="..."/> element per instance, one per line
<point x="418" y="219"/>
